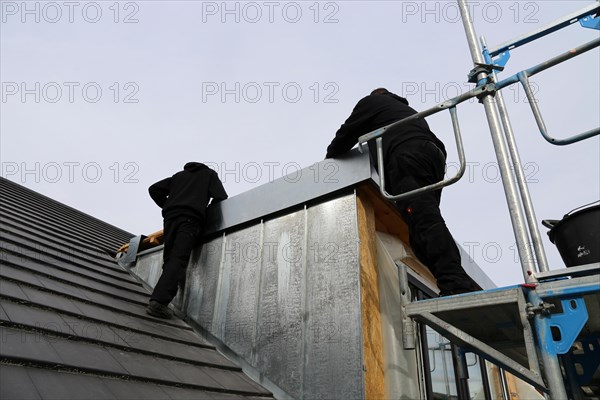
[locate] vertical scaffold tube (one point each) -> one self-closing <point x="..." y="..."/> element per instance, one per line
<point x="510" y="189"/>
<point x="536" y="239"/>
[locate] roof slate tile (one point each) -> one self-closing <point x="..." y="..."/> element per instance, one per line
<point x="19" y="344"/>
<point x="11" y="289"/>
<point x="73" y="323"/>
<point x="21" y="387"/>
<point x="69" y="386"/>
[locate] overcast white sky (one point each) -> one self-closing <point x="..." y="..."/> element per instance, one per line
<point x="102" y="99"/>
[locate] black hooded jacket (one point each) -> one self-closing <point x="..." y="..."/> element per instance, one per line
<point x="376" y="111"/>
<point x="188" y="192"/>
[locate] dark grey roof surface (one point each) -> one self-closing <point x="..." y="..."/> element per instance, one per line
<point x="72" y="321"/>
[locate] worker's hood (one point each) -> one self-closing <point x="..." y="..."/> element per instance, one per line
<point x="395" y="96"/>
<point x="194" y="166"/>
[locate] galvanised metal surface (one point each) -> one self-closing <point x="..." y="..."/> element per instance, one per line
<point x="307" y="185"/>
<point x="280" y="323"/>
<point x="297" y="188"/>
<point x="333" y="340"/>
<point x="202" y="283"/>
<point x="150" y="269"/>
<point x="284" y="295"/>
<point x="234" y="320"/>
<point x="473" y="270"/>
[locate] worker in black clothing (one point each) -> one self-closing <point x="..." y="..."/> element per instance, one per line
<point x="413" y="157"/>
<point x="183" y="199"/>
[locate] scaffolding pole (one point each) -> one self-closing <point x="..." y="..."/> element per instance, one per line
<point x="536" y="239"/>
<point x="500" y="147"/>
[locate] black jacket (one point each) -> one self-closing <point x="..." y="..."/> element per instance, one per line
<point x="377" y="111"/>
<point x="188" y="192"/>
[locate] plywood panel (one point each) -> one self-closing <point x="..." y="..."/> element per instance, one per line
<point x="371" y="317"/>
<point x="387" y="218"/>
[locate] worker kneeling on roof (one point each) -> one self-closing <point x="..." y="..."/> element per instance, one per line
<point x="413" y="157"/>
<point x="183" y="199"/>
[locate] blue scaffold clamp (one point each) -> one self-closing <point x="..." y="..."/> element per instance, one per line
<point x="590" y="22"/>
<point x="569" y="323"/>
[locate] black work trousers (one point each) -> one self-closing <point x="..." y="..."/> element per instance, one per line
<point x="181" y="234"/>
<point x="415" y="164"/>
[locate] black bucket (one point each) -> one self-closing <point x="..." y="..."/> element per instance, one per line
<point x="577" y="236"/>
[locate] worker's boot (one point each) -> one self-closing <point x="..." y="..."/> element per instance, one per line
<point x="159" y="310"/>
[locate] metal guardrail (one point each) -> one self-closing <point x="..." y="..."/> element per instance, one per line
<point x="435" y="186"/>
<point x="547" y="29"/>
<point x="523" y="76"/>
<point x="449" y="105"/>
<point x="488" y="88"/>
